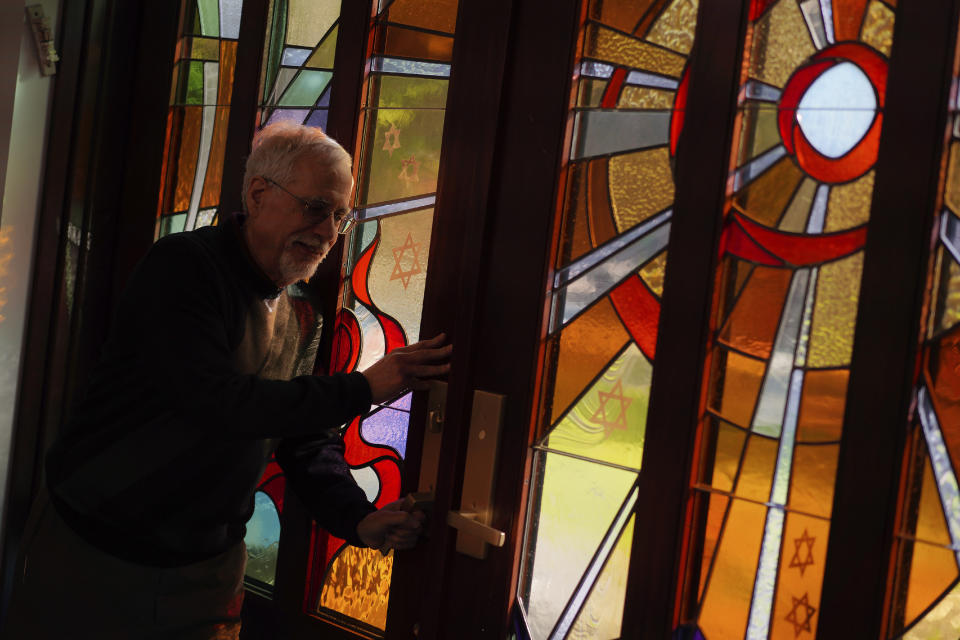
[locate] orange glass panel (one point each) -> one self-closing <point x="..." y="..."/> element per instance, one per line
<point x="738" y="380"/>
<point x="795" y="217"/>
<point x="756" y="473"/>
<point x="952" y="187"/>
<point x="814" y="474"/>
<point x="822" y="404"/>
<point x="726" y="602"/>
<point x="847" y="18"/>
<point x="849" y="204"/>
<point x="932" y="570"/>
<point x="624" y="14"/>
<point x="715" y="515"/>
<point x="835" y="312"/>
<point x="187" y="157"/>
<point x="780" y="42"/>
<point x="211" y="182"/>
<point x="575" y="235"/>
<point x="612" y="46"/>
<point x="228" y="63"/>
<point x="931" y="524"/>
<point x="437" y="15"/>
<point x="766" y="197"/>
<point x="641" y="185"/>
<point x="753" y="324"/>
<point x="407" y="43"/>
<point x="602" y="226"/>
<point x="800" y="579"/>
<point x="587" y="345"/>
<point x="945" y="372"/>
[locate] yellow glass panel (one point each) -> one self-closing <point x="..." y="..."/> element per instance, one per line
<point x="932" y="570"/>
<point x="814" y="475"/>
<point x="577" y="503"/>
<point x="726" y="603"/>
<point x="408" y="169"/>
<point x="931" y="525"/>
<point x="205" y="49"/>
<point x="358" y="585"/>
<point x="602" y="613"/>
<point x="730" y="441"/>
<point x="641" y="184"/>
<point x="611" y="46"/>
<point x="952" y="188"/>
<point x="654" y="271"/>
<point x="835" y="312"/>
<point x="758" y="131"/>
<point x="308" y="20"/>
<point x="877" y="28"/>
<point x="756" y="473"/>
<point x="942" y="621"/>
<point x="796" y="609"/>
<point x="575" y="236"/>
<point x="795" y="217"/>
<point x="609" y="421"/>
<point x="675" y="27"/>
<point x="322" y="57"/>
<point x="950" y="292"/>
<point x="398" y="271"/>
<point x="781" y="42"/>
<point x="587" y="345"/>
<point x="766" y="197"/>
<point x="737" y="383"/>
<point x="822" y="402"/>
<point x="591" y="92"/>
<point x="644" y="98"/>
<point x="849" y="204"/>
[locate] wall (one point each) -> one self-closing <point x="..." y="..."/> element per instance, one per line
<point x="25" y="100"/>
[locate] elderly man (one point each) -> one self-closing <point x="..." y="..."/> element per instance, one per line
<point x="140" y="534"/>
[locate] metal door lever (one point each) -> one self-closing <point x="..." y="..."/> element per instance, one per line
<point x="467" y="523"/>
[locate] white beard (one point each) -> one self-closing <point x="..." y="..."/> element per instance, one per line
<point x="295" y="270"/>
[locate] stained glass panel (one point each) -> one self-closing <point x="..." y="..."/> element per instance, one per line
<point x="604" y="306"/>
<point x="200" y="97"/>
<point x="801" y="181"/>
<point x="396" y="168"/>
<point x="926" y="598"/>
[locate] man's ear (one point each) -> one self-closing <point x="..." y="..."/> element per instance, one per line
<point x="255" y="193"/>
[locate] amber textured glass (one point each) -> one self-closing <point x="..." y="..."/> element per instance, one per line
<point x="810" y="111"/>
<point x="604" y="295"/>
<point x="925" y="599"/>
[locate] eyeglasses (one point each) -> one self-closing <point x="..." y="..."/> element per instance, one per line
<point x="317" y="210"/>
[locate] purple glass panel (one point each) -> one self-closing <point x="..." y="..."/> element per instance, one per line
<point x="388" y="427"/>
<point x="318" y="119"/>
<point x="288" y="115"/>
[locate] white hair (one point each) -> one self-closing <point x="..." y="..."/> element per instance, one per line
<point x="278" y="146"/>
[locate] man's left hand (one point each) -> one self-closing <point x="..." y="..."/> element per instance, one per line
<point x="392" y="527"/>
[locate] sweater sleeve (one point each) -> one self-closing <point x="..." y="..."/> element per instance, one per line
<point x="177" y="314"/>
<point x="321" y="479"/>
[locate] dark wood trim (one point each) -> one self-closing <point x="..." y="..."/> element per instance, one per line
<point x="244" y="102"/>
<point x="888" y="319"/>
<point x="702" y="166"/>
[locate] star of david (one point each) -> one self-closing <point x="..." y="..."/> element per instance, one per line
<point x="796" y="613"/>
<point x="413" y="164"/>
<point x="399" y="273"/>
<point x="796" y="561"/>
<point x="392" y="139"/>
<point x="600" y="415"/>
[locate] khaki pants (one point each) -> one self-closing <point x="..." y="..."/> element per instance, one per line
<point x="65" y="589"/>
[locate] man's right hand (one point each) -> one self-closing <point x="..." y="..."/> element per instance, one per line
<point x="409" y="368"/>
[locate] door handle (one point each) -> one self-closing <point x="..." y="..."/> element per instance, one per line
<point x="467" y="523"/>
<point x="472" y="522"/>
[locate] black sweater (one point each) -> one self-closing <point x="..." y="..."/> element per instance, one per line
<point x="160" y="462"/>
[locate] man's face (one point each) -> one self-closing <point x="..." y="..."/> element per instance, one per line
<point x="281" y="240"/>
